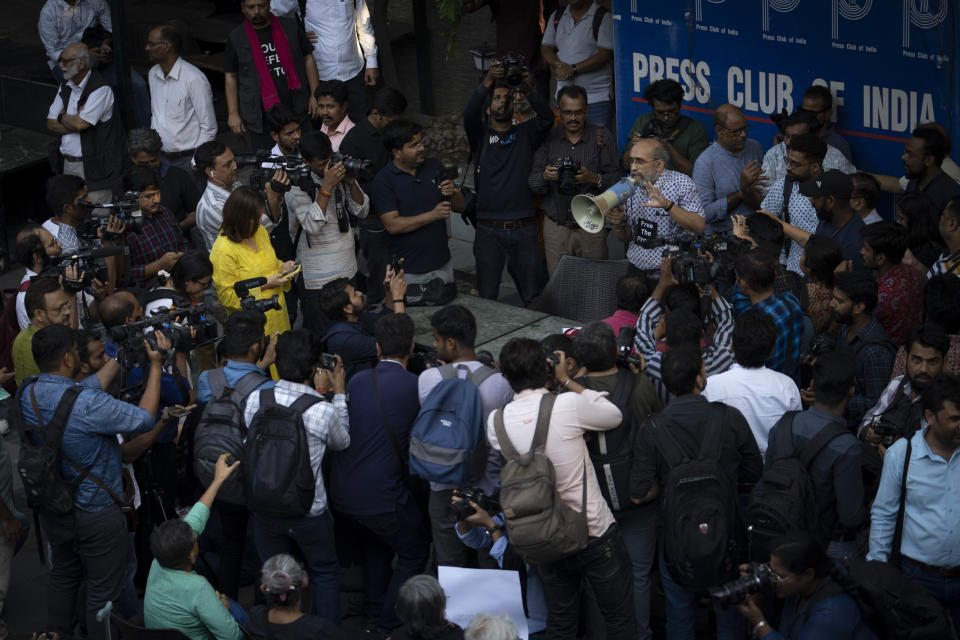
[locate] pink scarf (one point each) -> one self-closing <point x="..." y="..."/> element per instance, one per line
<point x="268" y="90"/>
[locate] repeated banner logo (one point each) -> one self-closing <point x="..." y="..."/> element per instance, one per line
<point x="890" y="64"/>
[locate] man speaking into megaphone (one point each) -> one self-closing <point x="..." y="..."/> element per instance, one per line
<point x="663" y="205"/>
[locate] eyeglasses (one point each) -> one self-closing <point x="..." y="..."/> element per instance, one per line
<point x="156" y="44"/>
<point x="62" y="60"/>
<point x="794" y="163"/>
<point x="573" y="114"/>
<point x="776" y="576"/>
<point x="742" y="131"/>
<point x="64" y="308"/>
<point x="418" y="145"/>
<point x="639" y="162"/>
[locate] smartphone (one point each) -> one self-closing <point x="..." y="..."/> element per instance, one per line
<point x="177" y="412"/>
<point x="395" y="263"/>
<point x="292" y="272"/>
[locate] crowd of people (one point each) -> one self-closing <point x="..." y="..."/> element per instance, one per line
<point x="217" y="382"/>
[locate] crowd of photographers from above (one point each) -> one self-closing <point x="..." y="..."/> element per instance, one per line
<point x="217" y="383"/>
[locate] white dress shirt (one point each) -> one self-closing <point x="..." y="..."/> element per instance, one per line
<point x="181" y="105"/>
<point x="98" y="108"/>
<point x="22" y="318"/>
<point x="762" y="396"/>
<point x="345" y="42"/>
<point x="61" y="25"/>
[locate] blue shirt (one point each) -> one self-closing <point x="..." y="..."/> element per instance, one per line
<point x="834" y="618"/>
<point x="785" y="311"/>
<point x="717" y="174"/>
<point x="931" y="519"/>
<point x="233" y="372"/>
<point x="354" y="342"/>
<point x="393" y="189"/>
<point x="848" y="236"/>
<point x="90" y="437"/>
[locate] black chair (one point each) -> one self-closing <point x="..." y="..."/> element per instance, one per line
<point x="582" y="289"/>
<point x="132" y="630"/>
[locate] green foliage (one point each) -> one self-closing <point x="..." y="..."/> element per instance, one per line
<point x="451" y="12"/>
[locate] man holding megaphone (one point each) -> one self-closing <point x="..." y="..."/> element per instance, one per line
<point x="663" y="204"/>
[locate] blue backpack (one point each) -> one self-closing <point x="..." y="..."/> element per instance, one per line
<point x="448" y="442"/>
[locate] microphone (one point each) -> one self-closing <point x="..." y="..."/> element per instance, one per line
<point x="93" y="254"/>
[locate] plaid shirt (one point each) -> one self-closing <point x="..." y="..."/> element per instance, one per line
<point x="677" y="187"/>
<point x="784" y="309"/>
<point x="327" y="425"/>
<point x="874" y="355"/>
<point x="161" y="234"/>
<point x="717" y="355"/>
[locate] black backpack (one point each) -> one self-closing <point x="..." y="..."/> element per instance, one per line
<point x="783" y="500"/>
<point x="612" y="451"/>
<point x="275" y="461"/>
<point x="699" y="507"/>
<point x="40" y="455"/>
<point x="221" y="430"/>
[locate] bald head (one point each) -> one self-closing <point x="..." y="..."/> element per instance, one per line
<point x="731" y="127"/>
<point x="119" y="308"/>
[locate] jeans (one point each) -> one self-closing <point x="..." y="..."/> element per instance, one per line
<point x="128" y="605"/>
<point x="85" y="547"/>
<point x="233" y="538"/>
<point x="946" y="591"/>
<point x="605" y="565"/>
<point x="520" y="250"/>
<point x="311" y="538"/>
<point x="400" y="533"/>
<point x="842" y="549"/>
<point x="638" y="527"/>
<point x="682" y="612"/>
<point x="373" y="244"/>
<point x="601" y="113"/>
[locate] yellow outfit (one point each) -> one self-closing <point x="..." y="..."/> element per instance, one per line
<point x="233" y="261"/>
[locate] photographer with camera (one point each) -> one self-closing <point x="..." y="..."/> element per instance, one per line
<point x="815" y="606"/>
<point x="578" y="44"/>
<point x="574" y="159"/>
<point x="320" y="224"/>
<point x="243" y="251"/>
<point x="684" y="137"/>
<point x="506" y="227"/>
<point x="160" y="242"/>
<point x="687" y="425"/>
<point x="899" y="412"/>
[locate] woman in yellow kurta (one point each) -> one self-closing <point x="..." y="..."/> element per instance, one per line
<point x="243" y="251"/>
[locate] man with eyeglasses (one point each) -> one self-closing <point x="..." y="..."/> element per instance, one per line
<point x="47" y="304"/>
<point x="84" y="115"/>
<point x="684" y="137"/>
<point x="62" y="22"/>
<point x="805" y="158"/>
<point x="665" y="204"/>
<point x="798" y="123"/>
<point x="594" y="149"/>
<point x="818" y="100"/>
<point x="181" y="100"/>
<point x="729" y="174"/>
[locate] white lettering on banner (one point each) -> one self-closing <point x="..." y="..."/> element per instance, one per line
<point x="895" y="109"/>
<point x="695" y="77"/>
<point x="773" y="90"/>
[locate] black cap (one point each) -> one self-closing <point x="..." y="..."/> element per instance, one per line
<point x="834" y="183"/>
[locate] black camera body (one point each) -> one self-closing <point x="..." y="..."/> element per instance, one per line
<point x="476" y="495"/>
<point x="422" y="359"/>
<point x="353" y="165"/>
<point x="567" y="170"/>
<point x="514" y="66"/>
<point x="725" y="249"/>
<point x="690" y="267"/>
<point x="652" y="129"/>
<point x="126" y="208"/>
<point x="625" y="355"/>
<point x="327" y="362"/>
<point x="485" y="358"/>
<point x="262" y="175"/>
<point x="888" y="431"/>
<point x="87" y="268"/>
<point x="736" y="591"/>
<point x="248" y="302"/>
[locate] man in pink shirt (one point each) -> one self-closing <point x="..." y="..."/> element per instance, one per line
<point x="631" y="294"/>
<point x="603" y="562"/>
<point x="331" y="97"/>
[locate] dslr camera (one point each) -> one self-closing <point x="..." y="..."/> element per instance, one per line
<point x="126" y="208"/>
<point x="266" y="165"/>
<point x="514" y="66"/>
<point x="353" y="165"/>
<point x="248" y="302"/>
<point x="327" y="362"/>
<point x="625" y="355"/>
<point x="448" y="172"/>
<point x="567" y="170"/>
<point x="888" y="431"/>
<point x="725" y="249"/>
<point x="736" y="591"/>
<point x="688" y="264"/>
<point x="475" y="494"/>
<point x="653" y="128"/>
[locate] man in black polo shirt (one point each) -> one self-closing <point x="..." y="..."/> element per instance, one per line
<point x="503" y="153"/>
<point x="365" y="140"/>
<point x="922" y="157"/>
<point x="414" y="209"/>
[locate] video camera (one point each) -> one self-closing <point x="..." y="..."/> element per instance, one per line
<point x="126" y="208"/>
<point x="266" y="165"/>
<point x="514" y="66"/>
<point x="567" y="170"/>
<point x="178" y="324"/>
<point x="688" y="263"/>
<point x="476" y="495"/>
<point x="736" y="591"/>
<point x="86" y="265"/>
<point x="248" y="302"/>
<point x="625" y="354"/>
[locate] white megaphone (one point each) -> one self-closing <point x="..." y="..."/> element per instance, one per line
<point x="588" y="211"/>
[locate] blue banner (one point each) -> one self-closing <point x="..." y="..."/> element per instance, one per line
<point x="890" y="64"/>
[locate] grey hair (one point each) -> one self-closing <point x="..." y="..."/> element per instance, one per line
<point x="281" y="578"/>
<point x="660" y="152"/>
<point x="421" y="605"/>
<point x="143" y="140"/>
<point x="83" y="51"/>
<point x="489" y="626"/>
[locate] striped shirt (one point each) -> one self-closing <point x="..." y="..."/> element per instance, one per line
<point x="210" y="213"/>
<point x="945" y="264"/>
<point x="327" y="425"/>
<point x="678" y="188"/>
<point x="717" y="356"/>
<point x="802" y="215"/>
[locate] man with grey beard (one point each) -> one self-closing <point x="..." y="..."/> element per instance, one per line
<point x="668" y="202"/>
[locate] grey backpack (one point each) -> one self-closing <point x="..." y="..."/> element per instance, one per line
<point x="541" y="527"/>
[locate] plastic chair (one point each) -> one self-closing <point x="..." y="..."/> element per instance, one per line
<point x="582" y="289"/>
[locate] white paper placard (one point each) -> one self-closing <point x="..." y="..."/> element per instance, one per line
<point x="473" y="591"/>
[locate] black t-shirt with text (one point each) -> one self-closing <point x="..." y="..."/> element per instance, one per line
<point x="231" y="63"/>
